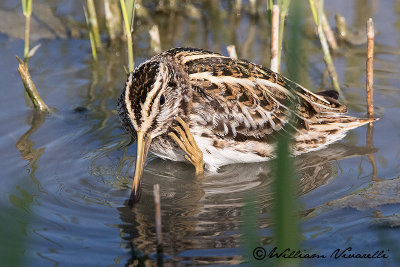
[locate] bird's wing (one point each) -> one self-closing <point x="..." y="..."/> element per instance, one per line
<point x="239" y="99"/>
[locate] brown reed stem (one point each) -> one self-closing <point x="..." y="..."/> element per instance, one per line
<point x="370" y="92"/>
<point x="30" y="87"/>
<point x="275" y="39"/>
<point x="232" y="51"/>
<point x="370" y="67"/>
<point x="157" y="203"/>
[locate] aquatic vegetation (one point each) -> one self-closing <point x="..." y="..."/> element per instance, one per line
<point x="128" y="13"/>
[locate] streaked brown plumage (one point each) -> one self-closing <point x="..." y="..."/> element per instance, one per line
<point x="235" y="109"/>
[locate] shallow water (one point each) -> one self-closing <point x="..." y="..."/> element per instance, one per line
<point x="65" y="178"/>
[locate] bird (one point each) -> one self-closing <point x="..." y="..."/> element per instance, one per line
<point x="212" y="110"/>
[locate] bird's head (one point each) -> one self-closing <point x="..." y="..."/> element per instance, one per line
<point x="155" y="94"/>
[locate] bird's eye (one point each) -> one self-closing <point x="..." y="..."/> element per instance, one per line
<point x="162" y="100"/>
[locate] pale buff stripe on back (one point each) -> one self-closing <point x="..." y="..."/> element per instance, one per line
<point x="186" y="59"/>
<point x="248" y="83"/>
<point x="222" y="79"/>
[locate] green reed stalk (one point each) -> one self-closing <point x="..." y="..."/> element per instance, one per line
<point x="93" y="24"/>
<point x="249" y="228"/>
<point x="314" y="12"/>
<point x="317" y="14"/>
<point x="270" y="4"/>
<point x="91" y="35"/>
<point x="130" y="6"/>
<point x="285" y="217"/>
<point x="285" y="187"/>
<point x="128" y="22"/>
<point x="27" y="10"/>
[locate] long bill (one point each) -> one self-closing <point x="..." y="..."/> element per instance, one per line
<point x="143" y="145"/>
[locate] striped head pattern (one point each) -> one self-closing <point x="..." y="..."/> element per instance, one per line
<point x="152" y="98"/>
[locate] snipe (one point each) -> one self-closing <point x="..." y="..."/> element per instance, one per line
<point x="207" y="108"/>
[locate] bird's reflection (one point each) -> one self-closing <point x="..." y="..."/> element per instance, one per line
<point x="206" y="212"/>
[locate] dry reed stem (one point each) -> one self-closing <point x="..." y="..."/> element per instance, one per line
<point x="30" y="87"/>
<point x="370" y="67"/>
<point x="157" y="203"/>
<point x="155" y="42"/>
<point x="238" y="7"/>
<point x="113" y="19"/>
<point x="253" y="7"/>
<point x="330" y="36"/>
<point x="370" y="92"/>
<point x="275" y="39"/>
<point x="232" y="51"/>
